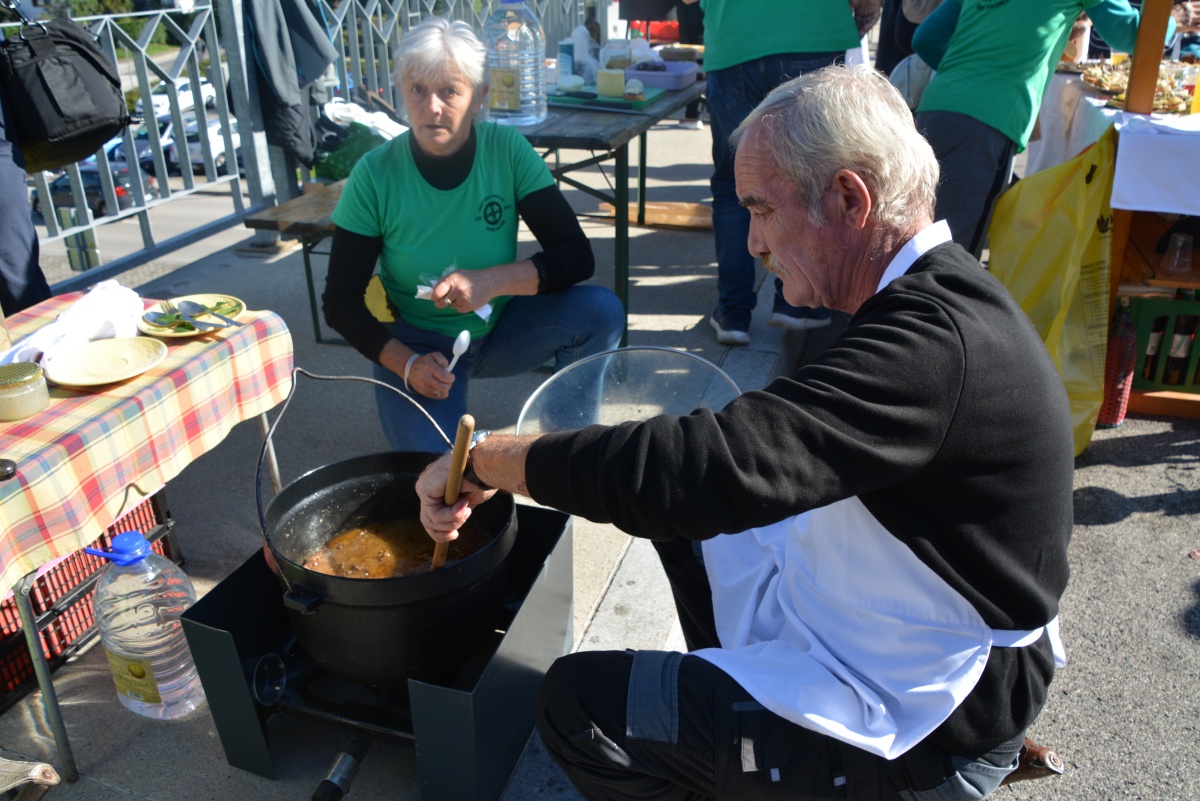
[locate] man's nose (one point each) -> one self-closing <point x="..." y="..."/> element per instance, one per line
<point x="754" y="241"/>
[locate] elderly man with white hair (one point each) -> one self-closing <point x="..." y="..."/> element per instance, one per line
<point x="867" y="555"/>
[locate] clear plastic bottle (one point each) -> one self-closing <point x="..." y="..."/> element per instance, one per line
<point x="516" y="61"/>
<point x="139" y="600"/>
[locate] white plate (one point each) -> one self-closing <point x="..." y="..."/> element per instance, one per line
<point x="105" y="361"/>
<point x="208" y="300"/>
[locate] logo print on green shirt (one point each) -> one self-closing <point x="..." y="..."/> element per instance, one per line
<point x="491" y="211"/>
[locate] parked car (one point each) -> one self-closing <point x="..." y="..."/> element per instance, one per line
<point x="160" y="101"/>
<point x="216" y="140"/>
<point x="89" y="174"/>
<point x="141" y="141"/>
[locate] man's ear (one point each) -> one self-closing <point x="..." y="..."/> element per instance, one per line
<point x="853" y="198"/>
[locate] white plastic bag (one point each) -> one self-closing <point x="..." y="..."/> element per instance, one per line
<point x="586" y="53"/>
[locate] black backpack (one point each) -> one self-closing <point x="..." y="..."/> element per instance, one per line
<point x="64" y="92"/>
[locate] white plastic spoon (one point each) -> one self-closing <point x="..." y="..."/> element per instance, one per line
<point x="461" y="343"/>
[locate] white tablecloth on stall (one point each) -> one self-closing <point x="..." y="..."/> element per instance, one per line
<point x="1158" y="165"/>
<point x="1158" y="156"/>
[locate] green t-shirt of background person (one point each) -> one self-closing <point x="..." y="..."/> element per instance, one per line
<point x="427" y="232"/>
<point x="738" y="31"/>
<point x="994" y="57"/>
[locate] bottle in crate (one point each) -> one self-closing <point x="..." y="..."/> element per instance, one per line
<point x="139" y="600"/>
<point x="1175" y="371"/>
<point x="1153" y="347"/>
<point x="516" y="62"/>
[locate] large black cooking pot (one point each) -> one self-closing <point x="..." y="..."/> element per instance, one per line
<point x="382" y="632"/>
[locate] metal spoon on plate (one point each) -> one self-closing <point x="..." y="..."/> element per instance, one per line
<point x="193" y="309"/>
<point x="174" y="321"/>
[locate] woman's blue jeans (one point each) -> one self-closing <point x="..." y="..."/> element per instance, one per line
<point x="580" y="321"/>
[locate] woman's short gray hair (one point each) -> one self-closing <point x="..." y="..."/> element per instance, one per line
<point x="848" y="118"/>
<point x="437" y="46"/>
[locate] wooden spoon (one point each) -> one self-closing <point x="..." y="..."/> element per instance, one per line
<point x="458" y="463"/>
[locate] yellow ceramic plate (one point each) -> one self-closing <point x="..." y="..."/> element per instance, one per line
<point x="227" y="305"/>
<point x="105" y="361"/>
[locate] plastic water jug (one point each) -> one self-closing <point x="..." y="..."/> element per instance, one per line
<point x="139" y="600"/>
<point x="516" y="62"/>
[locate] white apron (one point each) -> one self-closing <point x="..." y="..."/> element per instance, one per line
<point x="829" y="621"/>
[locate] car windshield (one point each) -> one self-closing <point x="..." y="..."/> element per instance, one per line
<point x="143" y="130"/>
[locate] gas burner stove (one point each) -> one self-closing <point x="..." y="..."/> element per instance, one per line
<point x="253" y="671"/>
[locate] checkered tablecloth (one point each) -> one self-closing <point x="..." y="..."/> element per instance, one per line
<point x="94" y="454"/>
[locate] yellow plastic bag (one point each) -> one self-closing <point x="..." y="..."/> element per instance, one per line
<point x="1051" y="245"/>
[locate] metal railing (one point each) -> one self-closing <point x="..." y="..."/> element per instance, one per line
<point x="364" y="33"/>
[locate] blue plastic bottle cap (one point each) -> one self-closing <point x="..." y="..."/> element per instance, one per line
<point x="129" y="547"/>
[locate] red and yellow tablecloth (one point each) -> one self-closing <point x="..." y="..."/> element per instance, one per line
<point x="93" y="455"/>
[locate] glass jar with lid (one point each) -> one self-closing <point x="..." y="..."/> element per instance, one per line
<point x="23" y="391"/>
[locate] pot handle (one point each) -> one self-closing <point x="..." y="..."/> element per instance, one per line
<point x="266" y="446"/>
<point x="302" y="599"/>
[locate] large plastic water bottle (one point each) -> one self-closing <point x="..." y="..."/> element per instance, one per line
<point x="139" y="600"/>
<point x="516" y="61"/>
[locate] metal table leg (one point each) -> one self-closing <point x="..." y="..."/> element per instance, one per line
<point x="42" y="670"/>
<point x="641" y="189"/>
<point x="306" y="248"/>
<point x="621" y="244"/>
<point x="308" y="245"/>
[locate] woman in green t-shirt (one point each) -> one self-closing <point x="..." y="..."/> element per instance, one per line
<point x="439" y="208"/>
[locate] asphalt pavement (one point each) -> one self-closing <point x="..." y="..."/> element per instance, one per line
<point x="1123" y="714"/>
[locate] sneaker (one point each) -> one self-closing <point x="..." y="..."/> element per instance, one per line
<point x="692" y="125"/>
<point x="730" y="332"/>
<point x="798" y="318"/>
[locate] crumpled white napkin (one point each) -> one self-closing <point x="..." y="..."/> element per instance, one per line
<point x="108" y="310"/>
<point x="426" y="293"/>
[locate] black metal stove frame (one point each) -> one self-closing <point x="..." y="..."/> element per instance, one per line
<point x="468" y="735"/>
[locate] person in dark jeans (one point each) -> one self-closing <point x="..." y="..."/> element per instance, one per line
<point x="750" y="47"/>
<point x="22" y="283"/>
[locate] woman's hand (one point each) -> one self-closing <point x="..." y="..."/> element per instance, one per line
<point x="468" y="290"/>
<point x="440" y="521"/>
<point x="429" y="375"/>
<point x="464" y="290"/>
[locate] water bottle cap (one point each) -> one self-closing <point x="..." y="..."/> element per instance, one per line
<point x="128" y="548"/>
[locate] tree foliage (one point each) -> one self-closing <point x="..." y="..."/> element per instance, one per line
<point x="68" y="9"/>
